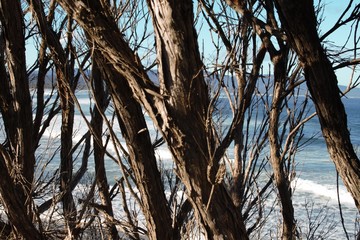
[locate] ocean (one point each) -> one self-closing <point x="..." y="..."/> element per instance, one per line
<point x="315" y="195"/>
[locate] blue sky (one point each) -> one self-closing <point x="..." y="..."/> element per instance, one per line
<point x="333" y="9"/>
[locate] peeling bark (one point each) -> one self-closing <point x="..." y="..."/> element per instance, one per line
<point x="172" y="114"/>
<point x="141" y="153"/>
<point x="181" y="80"/>
<point x="299" y="22"/>
<point x="17" y="159"/>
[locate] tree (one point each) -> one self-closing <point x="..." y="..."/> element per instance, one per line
<point x="227" y="173"/>
<point x="17" y="155"/>
<point x="299" y="24"/>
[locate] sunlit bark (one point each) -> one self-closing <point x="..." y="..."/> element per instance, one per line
<point x="299" y="22"/>
<point x="17" y="158"/>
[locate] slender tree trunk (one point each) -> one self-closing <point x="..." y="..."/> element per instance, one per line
<point x="66" y="161"/>
<point x="100" y="173"/>
<point x="64" y="74"/>
<point x="299" y="22"/>
<point x="40" y="86"/>
<point x="67" y="108"/>
<point x="141" y="153"/>
<point x="281" y="179"/>
<point x="100" y="95"/>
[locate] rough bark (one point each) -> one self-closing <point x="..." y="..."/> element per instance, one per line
<point x="99" y="151"/>
<point x="279" y="58"/>
<point x="67" y="108"/>
<point x="281" y="178"/>
<point x="66" y="161"/>
<point x="17" y="107"/>
<point x="17" y="158"/>
<point x="299" y="22"/>
<point x="141" y="153"/>
<point x="64" y="74"/>
<point x="154" y="202"/>
<point x="182" y="82"/>
<point x="172" y="114"/>
<point x="16" y="211"/>
<point x="102" y="102"/>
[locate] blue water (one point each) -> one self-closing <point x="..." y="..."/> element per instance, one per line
<point x="315" y="180"/>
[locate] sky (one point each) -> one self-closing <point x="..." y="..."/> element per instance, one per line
<point x="333" y="9"/>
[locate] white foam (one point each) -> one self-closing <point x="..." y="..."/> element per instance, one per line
<point x="323" y="190"/>
<point x="164" y="154"/>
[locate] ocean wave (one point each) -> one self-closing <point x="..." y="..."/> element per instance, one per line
<point x="323" y="190"/>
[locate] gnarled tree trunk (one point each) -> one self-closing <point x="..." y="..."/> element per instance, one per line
<point x="178" y="108"/>
<point x="17" y="157"/>
<point x="141" y="153"/>
<point x="299" y="22"/>
<point x="187" y="134"/>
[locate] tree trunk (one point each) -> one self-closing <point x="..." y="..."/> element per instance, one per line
<point x="178" y="109"/>
<point x="130" y="115"/>
<point x="15" y="208"/>
<point x="100" y="173"/>
<point x="17" y="109"/>
<point x="281" y="178"/>
<point x="141" y="153"/>
<point x="67" y="108"/>
<point x="299" y="22"/>
<point x="187" y="134"/>
<point x="17" y="157"/>
<point x="66" y="161"/>
<point x="101" y="95"/>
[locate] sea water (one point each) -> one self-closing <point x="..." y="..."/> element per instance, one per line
<point x="316" y="193"/>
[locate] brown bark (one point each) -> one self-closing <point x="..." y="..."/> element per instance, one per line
<point x="141" y="153"/>
<point x="40" y="85"/>
<point x="299" y="22"/>
<point x="182" y="82"/>
<point x="13" y="203"/>
<point x="63" y="72"/>
<point x="17" y="158"/>
<point x="172" y="114"/>
<point x="100" y="173"/>
<point x="239" y="180"/>
<point x="100" y="95"/>
<point x="66" y="161"/>
<point x="17" y="107"/>
<point x="281" y="178"/>
<point x="279" y="58"/>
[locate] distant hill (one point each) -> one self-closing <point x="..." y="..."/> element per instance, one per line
<point x="354" y="93"/>
<point x="50" y="81"/>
